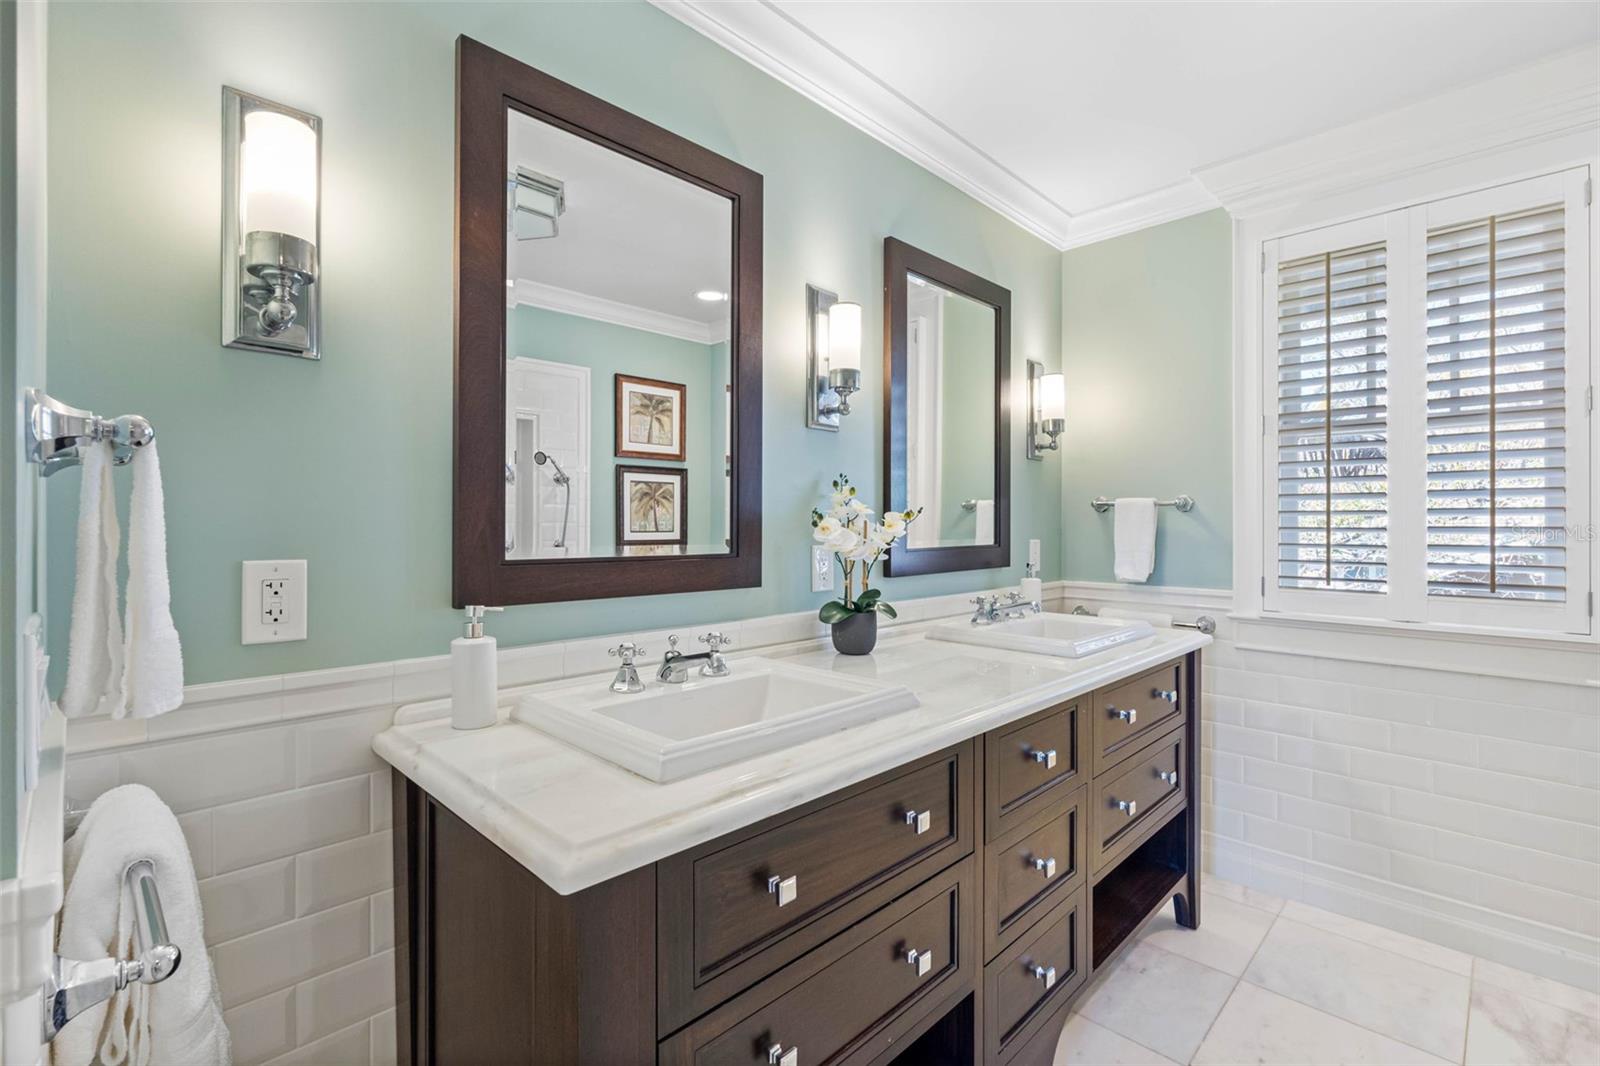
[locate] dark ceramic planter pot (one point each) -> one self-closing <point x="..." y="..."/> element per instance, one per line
<point x="856" y="635"/>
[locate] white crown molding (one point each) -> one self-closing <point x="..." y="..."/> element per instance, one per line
<point x="569" y="302"/>
<point x="1555" y="98"/>
<point x="1187" y="197"/>
<point x="763" y="36"/>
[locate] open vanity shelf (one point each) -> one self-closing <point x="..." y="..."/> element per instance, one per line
<point x="947" y="910"/>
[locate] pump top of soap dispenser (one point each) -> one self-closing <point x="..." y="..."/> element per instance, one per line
<point x="475" y="613"/>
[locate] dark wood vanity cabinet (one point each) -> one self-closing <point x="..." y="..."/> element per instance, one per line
<point x="946" y="911"/>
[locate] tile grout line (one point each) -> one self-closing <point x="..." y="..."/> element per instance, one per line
<point x="1237" y="981"/>
<point x="1390" y="951"/>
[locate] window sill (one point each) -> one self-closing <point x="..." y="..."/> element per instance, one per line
<point x="1497" y="635"/>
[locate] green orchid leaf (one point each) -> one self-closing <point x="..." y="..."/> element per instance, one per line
<point x="869" y="596"/>
<point x="834" y="611"/>
<point x="884" y="608"/>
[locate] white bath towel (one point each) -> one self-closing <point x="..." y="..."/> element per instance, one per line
<point x="177" y="1022"/>
<point x="94" y="652"/>
<point x="983" y="531"/>
<point x="1134" y="538"/>
<point x="153" y="658"/>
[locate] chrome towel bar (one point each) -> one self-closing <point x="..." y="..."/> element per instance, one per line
<point x="1184" y="502"/>
<point x="1205" y="623"/>
<point x="73" y="986"/>
<point x="55" y="432"/>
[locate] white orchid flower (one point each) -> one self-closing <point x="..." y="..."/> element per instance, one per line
<point x="858" y="507"/>
<point x="894" y="523"/>
<point x="844" y="541"/>
<point x="826" y="528"/>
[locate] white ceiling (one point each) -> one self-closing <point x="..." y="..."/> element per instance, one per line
<point x="1061" y="111"/>
<point x="631" y="235"/>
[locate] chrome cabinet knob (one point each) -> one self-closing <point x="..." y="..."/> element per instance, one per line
<point x="786" y="889"/>
<point x="921" y="961"/>
<point x="1169" y="776"/>
<point x="919" y="821"/>
<point x="1046" y="867"/>
<point x="777" y="1056"/>
<point x="1047" y="974"/>
<point x="1046" y="757"/>
<point x="1168" y="694"/>
<point x="1130" y="715"/>
<point x="1128" y="807"/>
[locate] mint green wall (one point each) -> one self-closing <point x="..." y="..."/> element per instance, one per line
<point x="1145" y="340"/>
<point x="346" y="462"/>
<point x="608" y="349"/>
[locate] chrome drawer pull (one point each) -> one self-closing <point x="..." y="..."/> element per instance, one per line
<point x="1047" y="974"/>
<point x="921" y="821"/>
<point x="1046" y="757"/>
<point x="1168" y="694"/>
<point x="922" y="960"/>
<point x="1169" y="776"/>
<point x="786" y="889"/>
<point x="1045" y="866"/>
<point x="1130" y="716"/>
<point x="776" y="1056"/>
<point x="1128" y="807"/>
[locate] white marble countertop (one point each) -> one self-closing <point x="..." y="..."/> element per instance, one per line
<point x="575" y="820"/>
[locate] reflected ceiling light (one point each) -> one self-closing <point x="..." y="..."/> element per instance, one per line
<point x="271" y="225"/>
<point x="711" y="296"/>
<point x="533" y="203"/>
<point x="1047" y="410"/>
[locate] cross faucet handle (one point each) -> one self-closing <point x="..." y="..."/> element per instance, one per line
<point x="716" y="641"/>
<point x="626" y="651"/>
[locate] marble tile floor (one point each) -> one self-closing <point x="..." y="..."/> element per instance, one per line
<point x="1278" y="983"/>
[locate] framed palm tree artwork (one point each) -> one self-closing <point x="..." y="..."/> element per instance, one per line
<point x="650" y="419"/>
<point x="652" y="506"/>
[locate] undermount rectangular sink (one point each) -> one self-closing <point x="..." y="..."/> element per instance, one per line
<point x="1065" y="635"/>
<point x="671" y="731"/>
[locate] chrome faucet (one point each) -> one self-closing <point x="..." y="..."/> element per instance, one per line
<point x="992" y="609"/>
<point x="675" y="664"/>
<point x="627" y="679"/>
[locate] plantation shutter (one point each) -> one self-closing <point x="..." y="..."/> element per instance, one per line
<point x="1497" y="405"/>
<point x="1332" y="420"/>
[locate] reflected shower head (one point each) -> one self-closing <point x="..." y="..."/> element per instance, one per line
<point x="541" y="458"/>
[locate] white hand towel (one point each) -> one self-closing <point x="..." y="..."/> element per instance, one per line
<point x="153" y="659"/>
<point x="94" y="653"/>
<point x="177" y="1022"/>
<point x="983" y="533"/>
<point x="1135" y="538"/>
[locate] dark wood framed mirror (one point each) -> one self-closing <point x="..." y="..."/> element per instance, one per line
<point x="947" y="417"/>
<point x="607" y="348"/>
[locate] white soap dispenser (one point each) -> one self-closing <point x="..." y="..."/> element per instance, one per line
<point x="1032" y="587"/>
<point x="474" y="677"/>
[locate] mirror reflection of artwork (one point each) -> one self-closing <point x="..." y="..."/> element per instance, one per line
<point x="650" y="419"/>
<point x="651" y="504"/>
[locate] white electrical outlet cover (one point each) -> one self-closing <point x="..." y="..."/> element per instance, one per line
<point x="1033" y="555"/>
<point x="821" y="569"/>
<point x="272" y="595"/>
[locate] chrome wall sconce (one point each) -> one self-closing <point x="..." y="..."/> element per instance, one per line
<point x="534" y="202"/>
<point x="1047" y="410"/>
<point x="833" y="357"/>
<point x="271" y="226"/>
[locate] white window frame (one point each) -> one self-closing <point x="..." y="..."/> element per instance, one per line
<point x="1401" y="214"/>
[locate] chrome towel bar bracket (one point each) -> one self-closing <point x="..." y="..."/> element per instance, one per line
<point x="73" y="986"/>
<point x="1205" y="623"/>
<point x="55" y="432"/>
<point x="1185" y="502"/>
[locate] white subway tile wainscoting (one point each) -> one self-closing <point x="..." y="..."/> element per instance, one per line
<point x="1439" y="828"/>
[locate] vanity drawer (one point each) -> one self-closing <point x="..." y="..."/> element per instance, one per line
<point x="1135" y="797"/>
<point x="1031" y="763"/>
<point x="734" y="911"/>
<point x="1032" y="868"/>
<point x="1044" y="968"/>
<point x="1129" y="714"/>
<point x="853" y="997"/>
